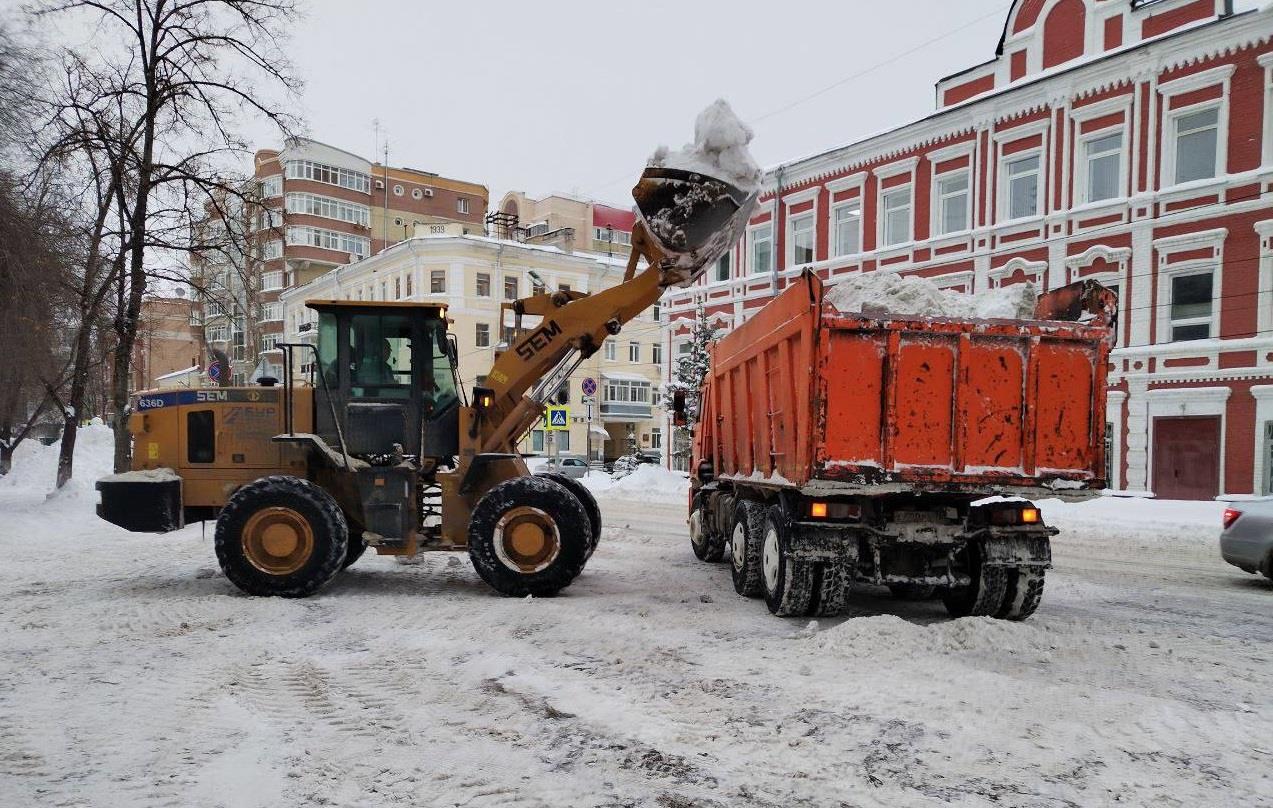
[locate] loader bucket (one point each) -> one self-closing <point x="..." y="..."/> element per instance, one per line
<point x="693" y="217"/>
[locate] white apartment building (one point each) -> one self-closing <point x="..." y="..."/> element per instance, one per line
<point x="472" y="275"/>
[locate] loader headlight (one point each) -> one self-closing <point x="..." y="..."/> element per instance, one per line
<point x="1030" y="516"/>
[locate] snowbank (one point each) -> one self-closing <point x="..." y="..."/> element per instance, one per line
<point x="648" y="483"/>
<point x="880" y="294"/>
<point x="35" y="466"/>
<point x="719" y="149"/>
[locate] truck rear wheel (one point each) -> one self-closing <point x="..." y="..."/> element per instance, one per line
<point x="984" y="596"/>
<point x="707" y="546"/>
<point x="788" y="580"/>
<point x="831" y="585"/>
<point x="1023" y="594"/>
<point x="529" y="536"/>
<point x="744" y="555"/>
<point x="587" y="500"/>
<point x="281" y="536"/>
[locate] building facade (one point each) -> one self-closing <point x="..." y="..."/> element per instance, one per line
<point x="166" y="342"/>
<point x="314" y="207"/>
<point x="1129" y="141"/>
<point x="572" y="223"/>
<point x="472" y="276"/>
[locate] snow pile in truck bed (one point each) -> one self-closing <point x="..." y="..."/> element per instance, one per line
<point x="880" y="294"/>
<point x="719" y="149"/>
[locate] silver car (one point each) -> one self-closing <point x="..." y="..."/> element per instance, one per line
<point x="1247" y="538"/>
<point x="566" y="465"/>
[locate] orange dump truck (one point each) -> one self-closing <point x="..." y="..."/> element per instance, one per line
<point x="835" y="447"/>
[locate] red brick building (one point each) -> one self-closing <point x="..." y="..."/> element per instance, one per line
<point x="1129" y="141"/>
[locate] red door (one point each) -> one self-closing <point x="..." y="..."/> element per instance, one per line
<point x="1187" y="458"/>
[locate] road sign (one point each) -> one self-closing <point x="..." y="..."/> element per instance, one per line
<point x="214" y="370"/>
<point x="557" y="419"/>
<point x="589" y="386"/>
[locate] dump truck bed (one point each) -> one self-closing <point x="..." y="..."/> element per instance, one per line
<point x="802" y="395"/>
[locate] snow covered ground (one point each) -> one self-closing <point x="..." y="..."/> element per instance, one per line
<point x="133" y="674"/>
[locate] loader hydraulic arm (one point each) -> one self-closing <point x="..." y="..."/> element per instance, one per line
<point x="572" y="328"/>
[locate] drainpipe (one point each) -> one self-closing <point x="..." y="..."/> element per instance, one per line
<point x="773" y="275"/>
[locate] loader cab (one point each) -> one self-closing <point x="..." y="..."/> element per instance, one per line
<point x="388" y="376"/>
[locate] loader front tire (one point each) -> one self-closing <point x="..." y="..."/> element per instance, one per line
<point x="281" y="536"/>
<point x="587" y="500"/>
<point x="744" y="548"/>
<point x="529" y="536"/>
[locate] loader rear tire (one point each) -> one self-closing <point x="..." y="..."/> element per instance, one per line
<point x="788" y="580"/>
<point x="1023" y="594"/>
<point x="707" y="546"/>
<point x="281" y="536"/>
<point x="529" y="536"/>
<point x="586" y="499"/>
<point x="744" y="554"/>
<point x="985" y="595"/>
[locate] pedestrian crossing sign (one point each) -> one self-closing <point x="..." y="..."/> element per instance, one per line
<point x="557" y="419"/>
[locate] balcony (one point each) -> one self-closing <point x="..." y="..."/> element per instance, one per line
<point x="626" y="410"/>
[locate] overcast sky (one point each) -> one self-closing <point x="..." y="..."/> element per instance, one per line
<point x="573" y="95"/>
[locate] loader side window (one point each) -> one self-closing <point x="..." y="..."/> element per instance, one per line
<point x="201" y="437"/>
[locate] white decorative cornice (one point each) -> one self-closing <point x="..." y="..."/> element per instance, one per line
<point x="961" y="149"/>
<point x="1191" y="241"/>
<point x="1025" y="130"/>
<point x="1113" y="255"/>
<point x="800" y="197"/>
<point x="893" y="169"/>
<point x="1198" y="81"/>
<point x="854" y="180"/>
<point x="1171" y="52"/>
<point x="1108" y="106"/>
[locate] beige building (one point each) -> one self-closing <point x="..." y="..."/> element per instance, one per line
<point x="569" y="222"/>
<point x="166" y="344"/>
<point x="472" y="275"/>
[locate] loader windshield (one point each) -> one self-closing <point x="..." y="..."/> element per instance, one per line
<point x="380" y="356"/>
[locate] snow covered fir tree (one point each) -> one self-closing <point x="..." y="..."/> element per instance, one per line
<point x="690" y="370"/>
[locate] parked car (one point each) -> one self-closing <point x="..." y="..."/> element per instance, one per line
<point x="568" y="465"/>
<point x="1246" y="541"/>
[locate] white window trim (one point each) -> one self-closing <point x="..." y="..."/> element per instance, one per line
<point x="935" y="203"/>
<point x="1266" y="62"/>
<point x="1002" y="199"/>
<point x="881" y="217"/>
<point x="833" y="235"/>
<point x="1164" y="248"/>
<point x="1083" y="169"/>
<point x="752" y="230"/>
<point x="812" y="216"/>
<point x="1039" y="269"/>
<point x="1197" y="81"/>
<point x="265" y="183"/>
<point x="890" y="170"/>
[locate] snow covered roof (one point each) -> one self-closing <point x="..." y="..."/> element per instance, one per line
<point x="176" y="373"/>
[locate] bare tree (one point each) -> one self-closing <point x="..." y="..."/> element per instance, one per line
<point x="157" y="116"/>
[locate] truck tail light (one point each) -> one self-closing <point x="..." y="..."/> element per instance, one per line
<point x="834" y="510"/>
<point x="1030" y="516"/>
<point x="1230" y="516"/>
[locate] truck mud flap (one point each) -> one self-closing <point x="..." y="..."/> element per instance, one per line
<point x="141" y="505"/>
<point x="1017" y="551"/>
<point x="817" y="541"/>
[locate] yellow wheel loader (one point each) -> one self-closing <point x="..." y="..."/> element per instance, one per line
<point x="382" y="449"/>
